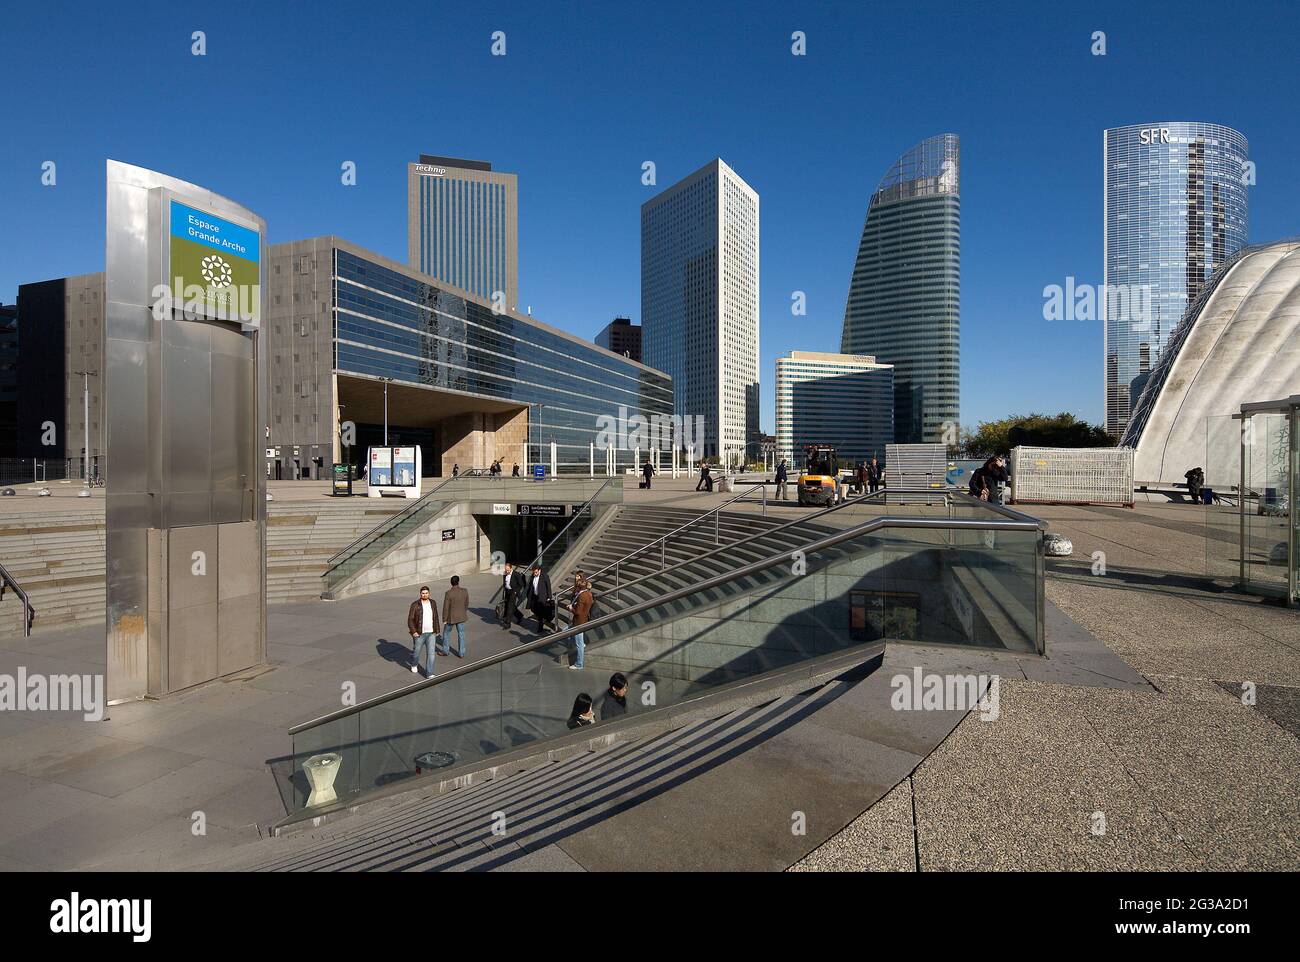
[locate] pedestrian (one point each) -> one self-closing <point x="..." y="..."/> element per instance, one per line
<point x="581" y="714"/>
<point x="422" y="623"/>
<point x="512" y="590"/>
<point x="455" y="612"/>
<point x="984" y="480"/>
<point x="515" y="472"/>
<point x="873" y="476"/>
<point x="648" y="471"/>
<point x="455" y="470"/>
<point x="582" y="602"/>
<point x="614" y="704"/>
<point x="706" y="482"/>
<point x="541" y="599"/>
<point x="860" y="478"/>
<point x="782" y="477"/>
<point x="1195" y="481"/>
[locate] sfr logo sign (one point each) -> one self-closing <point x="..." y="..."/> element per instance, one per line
<point x="1154" y="135"/>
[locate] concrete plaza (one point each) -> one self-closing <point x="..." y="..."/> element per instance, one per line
<point x="1135" y="716"/>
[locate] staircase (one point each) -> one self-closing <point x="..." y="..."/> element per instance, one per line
<point x="639" y="526"/>
<point x="59" y="558"/>
<point x="59" y="561"/>
<point x="540" y="805"/>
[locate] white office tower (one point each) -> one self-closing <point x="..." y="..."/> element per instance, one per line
<point x="699" y="304"/>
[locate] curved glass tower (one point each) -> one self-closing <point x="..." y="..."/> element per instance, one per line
<point x="904" y="298"/>
<point x="1175" y="211"/>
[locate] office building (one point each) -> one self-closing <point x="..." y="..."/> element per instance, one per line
<point x="1175" y="211"/>
<point x="904" y="303"/>
<point x="463" y="226"/>
<point x="465" y="383"/>
<point x="699" y="303"/>
<point x="842" y="399"/>
<point x="8" y="380"/>
<point x="622" y="337"/>
<point x="60" y="334"/>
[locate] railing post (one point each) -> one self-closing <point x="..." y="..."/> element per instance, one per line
<point x="717" y="512"/>
<point x="663" y="553"/>
<point x="616" y="581"/>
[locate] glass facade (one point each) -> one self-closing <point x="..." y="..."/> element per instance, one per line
<point x="1175" y="211"/>
<point x="904" y="302"/>
<point x="834" y="399"/>
<point x="699" y="302"/>
<point x="463" y="227"/>
<point x="390" y="324"/>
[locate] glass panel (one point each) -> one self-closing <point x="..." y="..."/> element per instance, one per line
<point x="1265" y="445"/>
<point x="945" y="585"/>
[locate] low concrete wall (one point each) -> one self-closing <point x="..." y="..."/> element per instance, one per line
<point x="423" y="556"/>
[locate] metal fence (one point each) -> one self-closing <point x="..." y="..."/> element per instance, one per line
<point x="42" y="470"/>
<point x="1072" y="475"/>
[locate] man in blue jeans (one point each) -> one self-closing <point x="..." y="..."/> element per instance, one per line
<point x="422" y="623"/>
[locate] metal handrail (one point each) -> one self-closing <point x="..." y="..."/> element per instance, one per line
<point x="744" y="541"/>
<point x="29" y="611"/>
<point x="735" y="574"/>
<point x="664" y="538"/>
<point x="391" y="520"/>
<point x="576" y="515"/>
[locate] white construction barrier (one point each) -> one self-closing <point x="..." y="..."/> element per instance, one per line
<point x="1072" y="476"/>
<point x="916" y="466"/>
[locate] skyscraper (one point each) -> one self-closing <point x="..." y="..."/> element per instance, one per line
<point x="699" y="302"/>
<point x="622" y="337"/>
<point x="1175" y="210"/>
<point x="463" y="226"/>
<point x="838" y="399"/>
<point x="904" y="303"/>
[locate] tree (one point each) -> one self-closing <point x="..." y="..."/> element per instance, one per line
<point x="1062" y="430"/>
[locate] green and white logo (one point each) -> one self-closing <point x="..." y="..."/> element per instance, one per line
<point x="215" y="266"/>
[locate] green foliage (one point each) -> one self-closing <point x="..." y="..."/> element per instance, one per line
<point x="1062" y="430"/>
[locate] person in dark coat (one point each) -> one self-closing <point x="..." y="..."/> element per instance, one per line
<point x="782" y="477"/>
<point x="614" y="704"/>
<point x="455" y="612"/>
<point x="513" y="587"/>
<point x="861" y="478"/>
<point x="706" y="482"/>
<point x="985" y="479"/>
<point x="515" y="472"/>
<point x="582" y="603"/>
<point x="1195" y="481"/>
<point x="874" y="474"/>
<point x="541" y="599"/>
<point x="648" y="471"/>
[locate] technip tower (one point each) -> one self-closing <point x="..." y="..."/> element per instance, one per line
<point x="904" y="303"/>
<point x="1175" y="210"/>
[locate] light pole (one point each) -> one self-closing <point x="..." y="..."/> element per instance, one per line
<point x="85" y="451"/>
<point x="386" y="380"/>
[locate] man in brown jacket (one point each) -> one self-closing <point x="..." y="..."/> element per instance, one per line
<point x="422" y="623"/>
<point x="455" y="612"/>
<point x="582" y="602"/>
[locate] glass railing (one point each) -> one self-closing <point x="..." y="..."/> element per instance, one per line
<point x="904" y="579"/>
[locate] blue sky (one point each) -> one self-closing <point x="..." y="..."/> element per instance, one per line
<point x="587" y="92"/>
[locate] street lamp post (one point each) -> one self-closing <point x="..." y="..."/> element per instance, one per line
<point x="386" y="380"/>
<point x="85" y="450"/>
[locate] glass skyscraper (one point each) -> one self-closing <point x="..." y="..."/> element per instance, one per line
<point x="904" y="302"/>
<point x="1175" y="210"/>
<point x="699" y="303"/>
<point x="463" y="226"/>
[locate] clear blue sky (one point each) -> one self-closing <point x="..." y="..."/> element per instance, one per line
<point x="587" y="92"/>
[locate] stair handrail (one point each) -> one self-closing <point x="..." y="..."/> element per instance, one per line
<point x="390" y="521"/>
<point x="881" y="494"/>
<point x="676" y="594"/>
<point x="576" y="515"/>
<point x="664" y="538"/>
<point x="29" y="611"/>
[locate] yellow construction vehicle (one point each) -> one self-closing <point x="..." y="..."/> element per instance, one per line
<point x="819" y="481"/>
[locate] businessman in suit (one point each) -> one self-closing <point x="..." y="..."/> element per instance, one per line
<point x="513" y="586"/>
<point x="541" y="599"/>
